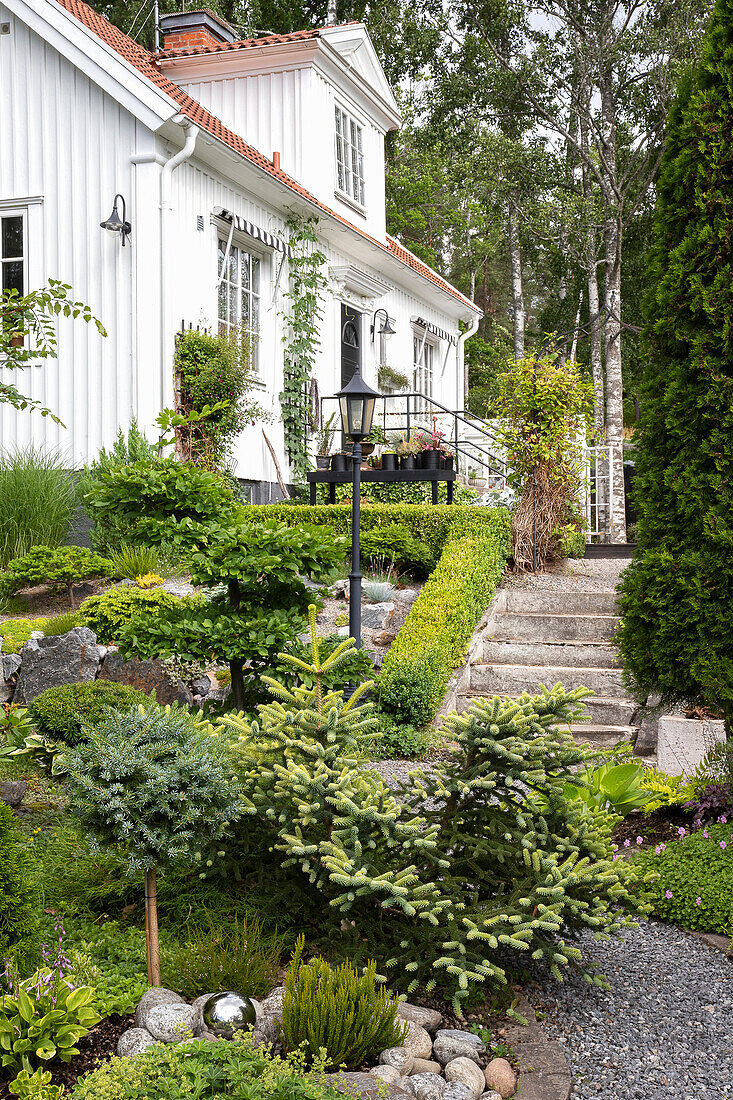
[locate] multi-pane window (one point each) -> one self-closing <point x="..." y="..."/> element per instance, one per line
<point x="12" y="253"/>
<point x="239" y="295"/>
<point x="423" y="353"/>
<point x="350" y="156"/>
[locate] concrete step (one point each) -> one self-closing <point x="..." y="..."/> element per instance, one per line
<point x="589" y="602"/>
<point x="602" y="737"/>
<point x="499" y="679"/>
<point x="554" y="628"/>
<point x="587" y="655"/>
<point x="601" y="710"/>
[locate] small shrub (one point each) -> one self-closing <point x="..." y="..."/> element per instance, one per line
<point x="377" y="591"/>
<point x="224" y="954"/>
<point x="39" y="499"/>
<point x="400" y="741"/>
<point x="109" y="533"/>
<point x="338" y="1010"/>
<point x="17" y="922"/>
<point x="62" y="624"/>
<point x="130" y="562"/>
<point x="61" y="712"/>
<point x="394" y="543"/>
<point x="355" y="667"/>
<point x="110" y="612"/>
<point x="693" y="883"/>
<point x="60" y="566"/>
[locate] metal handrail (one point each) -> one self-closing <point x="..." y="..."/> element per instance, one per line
<point x="492" y="463"/>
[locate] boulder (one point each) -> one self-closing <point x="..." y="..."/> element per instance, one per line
<point x="500" y="1076"/>
<point x="428" y="1018"/>
<point x="465" y="1072"/>
<point x="150" y="999"/>
<point x="399" y="1057"/>
<point x="461" y="1036"/>
<point x="454" y="1090"/>
<point x="365" y="1085"/>
<point x="178" y="588"/>
<point x="147" y="676"/>
<point x="11" y="664"/>
<point x="198" y="1012"/>
<point x="49" y="662"/>
<point x="12" y="791"/>
<point x="417" y="1041"/>
<point x="272" y="1004"/>
<point x="427" y="1086"/>
<point x="386" y="1073"/>
<point x="170" y="1022"/>
<point x="490" y="1095"/>
<point x="134" y="1041"/>
<point x="446" y="1049"/>
<point x="201" y="686"/>
<point x="423" y="1065"/>
<point x="375" y="616"/>
<point x="383" y="638"/>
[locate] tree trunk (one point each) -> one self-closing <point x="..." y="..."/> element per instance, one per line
<point x="515" y="258"/>
<point x="236" y="665"/>
<point x="612" y="239"/>
<point x="596" y="349"/>
<point x="151" y="927"/>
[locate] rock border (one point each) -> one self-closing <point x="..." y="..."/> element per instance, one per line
<point x="544" y="1070"/>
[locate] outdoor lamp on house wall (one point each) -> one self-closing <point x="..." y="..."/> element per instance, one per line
<point x="385" y="329"/>
<point x="117" y="224"/>
<point x="357" y="401"/>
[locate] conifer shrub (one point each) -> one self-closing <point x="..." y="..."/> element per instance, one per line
<point x="337" y="1010"/>
<point x="61" y="713"/>
<point x="60" y="566"/>
<point x="17" y="920"/>
<point x="677" y="593"/>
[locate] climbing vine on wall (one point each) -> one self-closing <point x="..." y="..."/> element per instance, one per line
<point x="302" y="313"/>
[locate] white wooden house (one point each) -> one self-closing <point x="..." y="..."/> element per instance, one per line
<point x="213" y="143"/>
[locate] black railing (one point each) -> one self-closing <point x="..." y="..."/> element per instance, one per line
<point x="419" y="408"/>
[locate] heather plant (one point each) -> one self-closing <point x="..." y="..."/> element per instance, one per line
<point x="157" y="785"/>
<point x="338" y="1011"/>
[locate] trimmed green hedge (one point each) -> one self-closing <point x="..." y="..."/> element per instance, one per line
<point x="433" y="641"/>
<point x="431" y="524"/>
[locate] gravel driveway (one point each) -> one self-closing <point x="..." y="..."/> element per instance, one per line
<point x="664" y="1030"/>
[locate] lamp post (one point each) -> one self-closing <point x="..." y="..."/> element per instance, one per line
<point x="357" y="401"/>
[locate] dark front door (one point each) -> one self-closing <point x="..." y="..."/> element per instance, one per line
<point x="350" y="343"/>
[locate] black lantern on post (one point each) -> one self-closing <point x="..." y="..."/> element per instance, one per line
<point x="357" y="401"/>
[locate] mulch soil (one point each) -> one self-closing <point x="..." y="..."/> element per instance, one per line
<point x="99" y="1045"/>
<point x="655" y="828"/>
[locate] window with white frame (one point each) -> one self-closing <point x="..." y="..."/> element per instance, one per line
<point x="350" y="156"/>
<point x="423" y="359"/>
<point x="239" y="294"/>
<point x="12" y="252"/>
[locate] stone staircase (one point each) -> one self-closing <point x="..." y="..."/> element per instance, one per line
<point x="541" y="635"/>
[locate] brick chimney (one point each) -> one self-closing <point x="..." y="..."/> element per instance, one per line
<point x="185" y="30"/>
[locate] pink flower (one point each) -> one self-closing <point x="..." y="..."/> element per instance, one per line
<point x="698" y="901"/>
<point x="614" y="847"/>
<point x="668" y="894"/>
<point x="723" y="844"/>
<point x="706" y="834"/>
<point x="682" y="831"/>
<point x="640" y="840"/>
<point x="627" y="844"/>
<point x="658" y="850"/>
<point x="723" y="819"/>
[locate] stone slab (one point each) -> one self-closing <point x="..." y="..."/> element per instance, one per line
<point x="364" y="1084"/>
<point x="683" y="743"/>
<point x="70" y="658"/>
<point x="148" y="676"/>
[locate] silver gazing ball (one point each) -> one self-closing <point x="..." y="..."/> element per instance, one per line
<point x="225" y="1013"/>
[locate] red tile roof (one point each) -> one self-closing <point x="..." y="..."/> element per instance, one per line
<point x="145" y="63"/>
<point x="244" y="43"/>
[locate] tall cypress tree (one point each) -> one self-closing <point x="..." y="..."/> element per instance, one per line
<point x="677" y="596"/>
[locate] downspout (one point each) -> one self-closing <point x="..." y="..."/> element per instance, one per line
<point x="166" y="350"/>
<point x="460" y="360"/>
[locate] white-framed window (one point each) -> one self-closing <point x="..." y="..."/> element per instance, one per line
<point x="13" y="251"/>
<point x="423" y="358"/>
<point x="350" y="157"/>
<point x="240" y="289"/>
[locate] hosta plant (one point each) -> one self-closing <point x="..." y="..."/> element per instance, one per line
<point x="616" y="787"/>
<point x="43" y="1019"/>
<point x="35" y="1086"/>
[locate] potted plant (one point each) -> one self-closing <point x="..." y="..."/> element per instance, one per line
<point x="432" y="452"/>
<point x="324" y="441"/>
<point x="341" y="462"/>
<point x="375" y="438"/>
<point x="446" y="460"/>
<point x="407" y="451"/>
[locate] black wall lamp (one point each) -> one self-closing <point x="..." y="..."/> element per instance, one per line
<point x="385" y="329"/>
<point x="117" y="224"/>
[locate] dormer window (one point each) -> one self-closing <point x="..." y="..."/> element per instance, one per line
<point x="349" y="157"/>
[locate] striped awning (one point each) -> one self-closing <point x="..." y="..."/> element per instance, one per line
<point x="434" y="330"/>
<point x="242" y="225"/>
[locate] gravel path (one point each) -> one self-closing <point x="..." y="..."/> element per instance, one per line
<point x="664" y="1030"/>
<point x="596" y="573"/>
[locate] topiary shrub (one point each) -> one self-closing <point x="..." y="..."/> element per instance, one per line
<point x="394" y="544"/>
<point x="60" y="566"/>
<point x="677" y="594"/>
<point x="692" y="882"/>
<point x="60" y="713"/>
<point x="337" y="1010"/>
<point x="17" y="908"/>
<point x="109" y="613"/>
